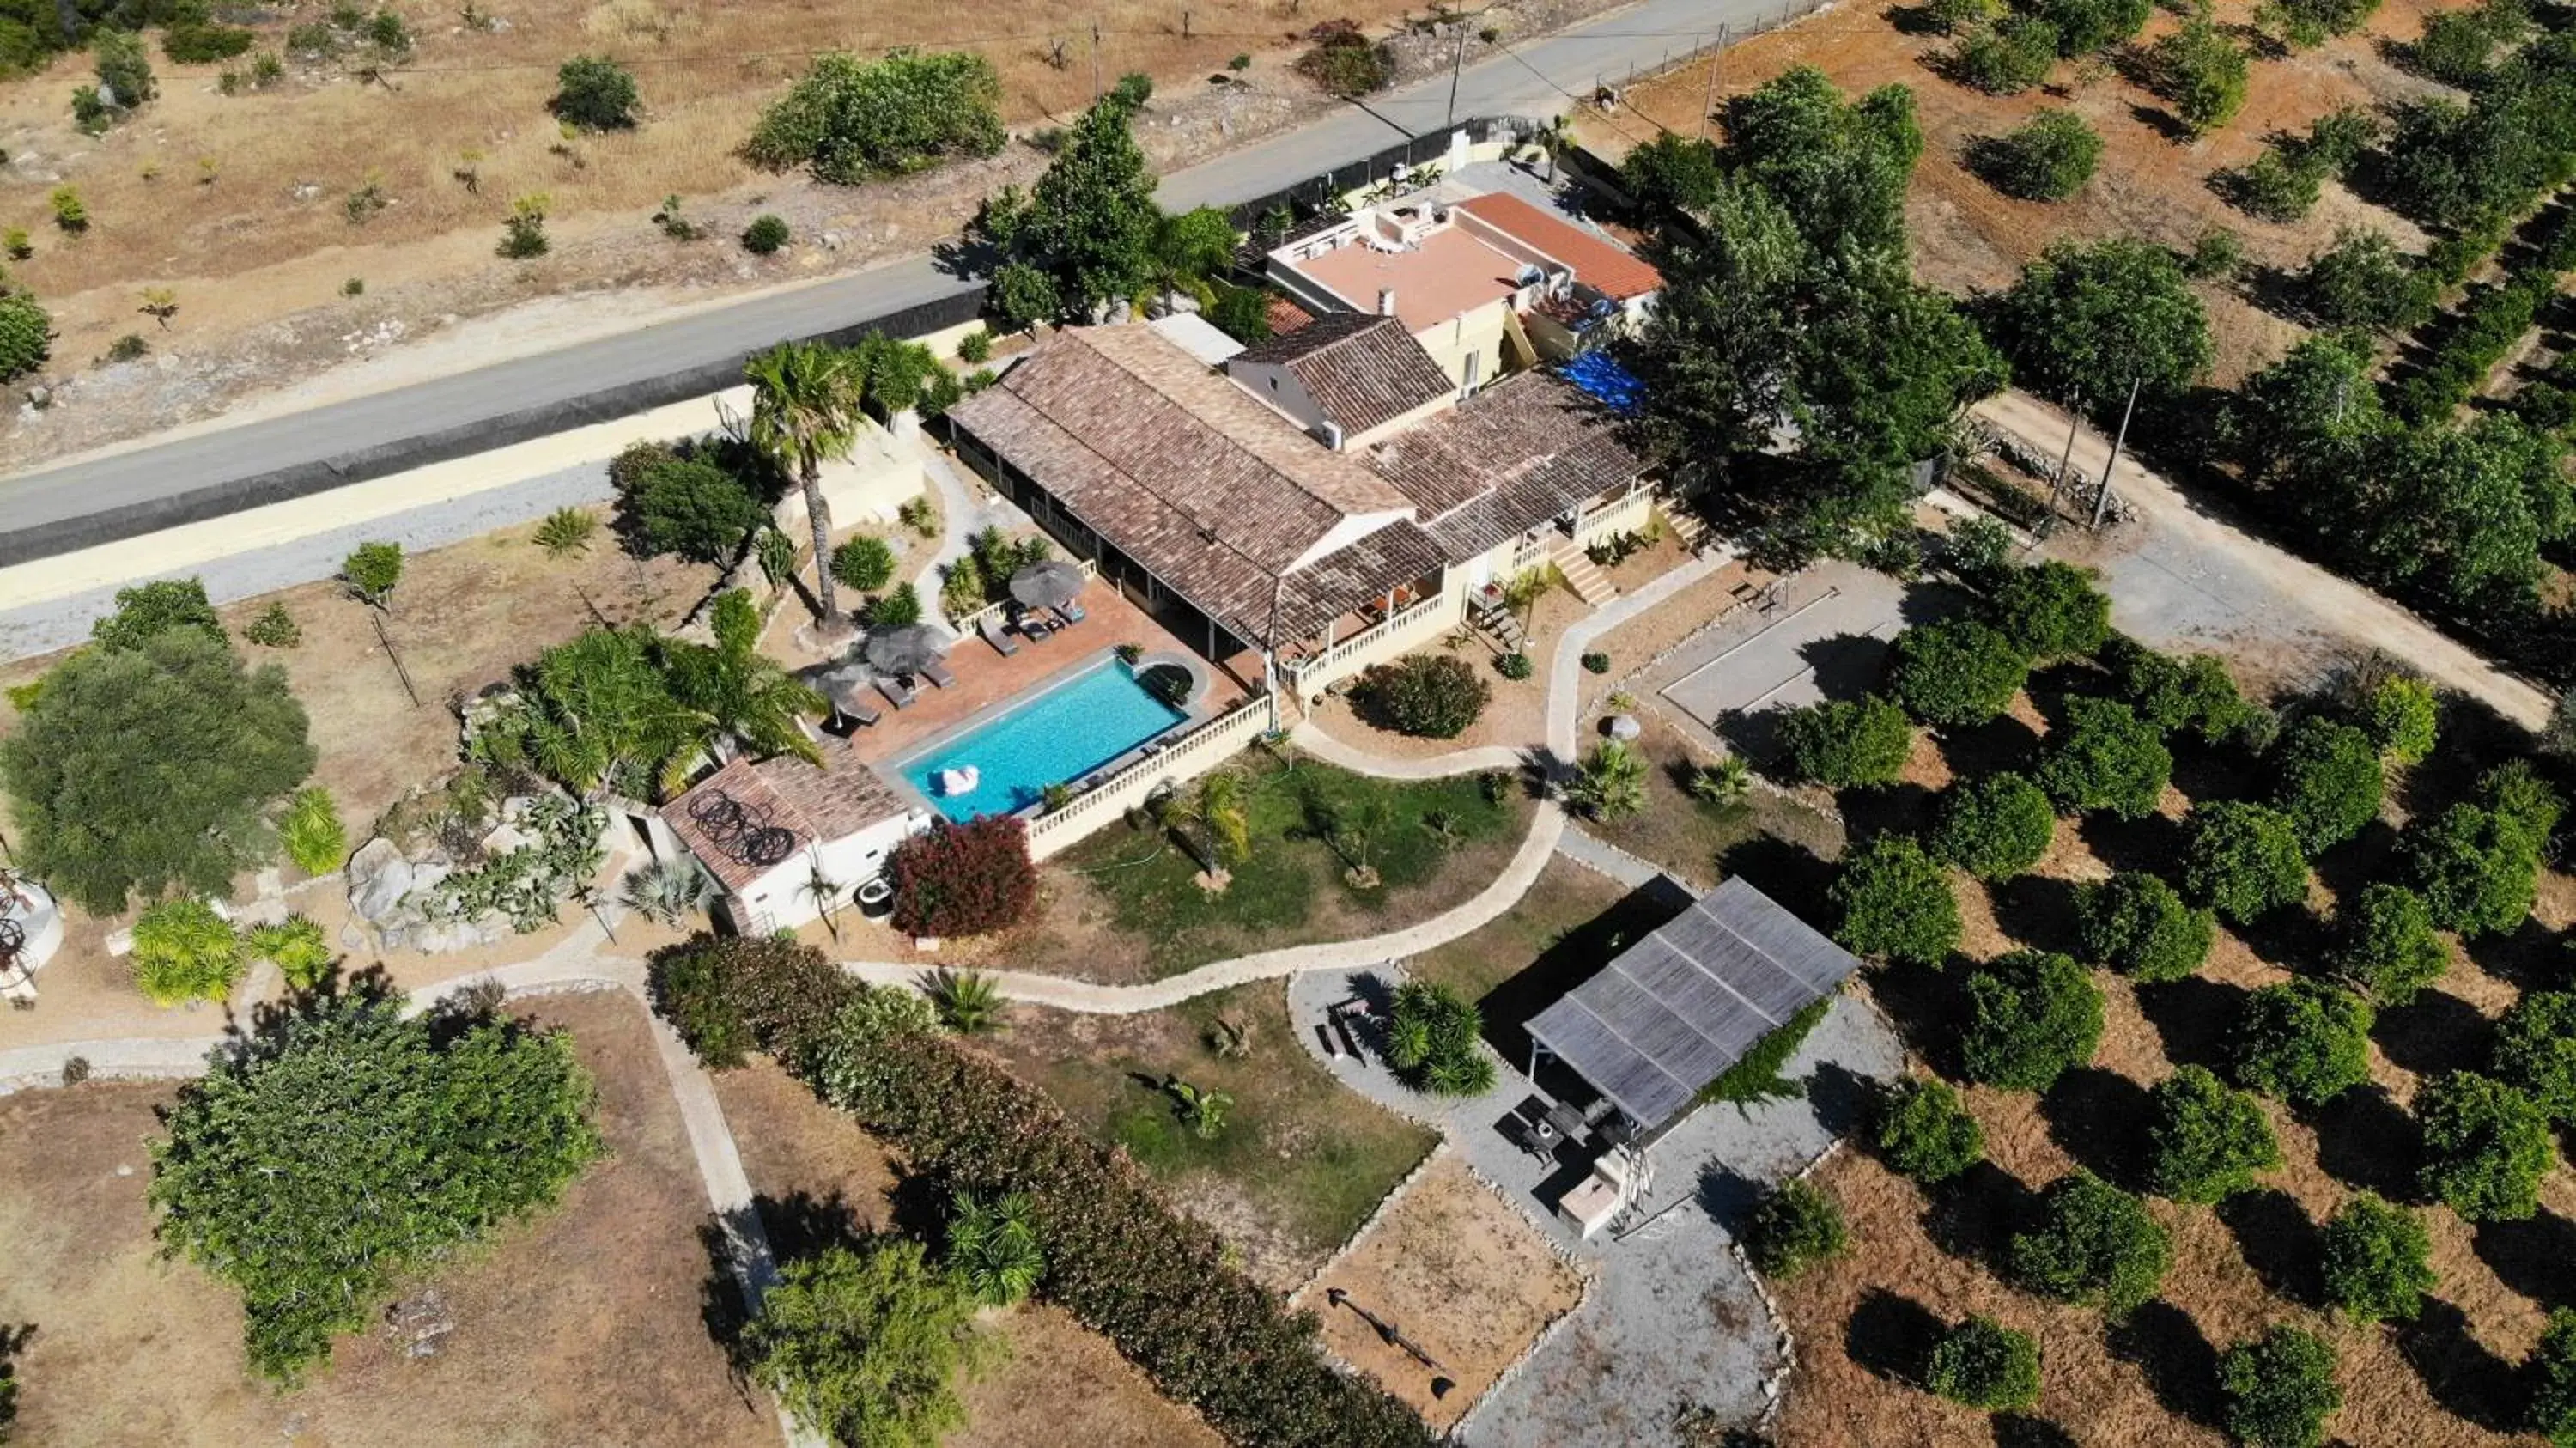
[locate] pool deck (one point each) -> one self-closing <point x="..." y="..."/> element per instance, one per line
<point x="986" y="679"/>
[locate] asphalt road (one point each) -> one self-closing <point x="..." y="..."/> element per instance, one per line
<point x="1537" y="79"/>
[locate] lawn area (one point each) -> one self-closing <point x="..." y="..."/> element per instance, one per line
<point x="1572" y="921"/>
<point x="579" y="1326"/>
<point x="1301" y="1161"/>
<point x="819" y="1178"/>
<point x="1125" y="905"/>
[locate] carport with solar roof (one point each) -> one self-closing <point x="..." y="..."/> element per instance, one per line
<point x="1675" y="1010"/>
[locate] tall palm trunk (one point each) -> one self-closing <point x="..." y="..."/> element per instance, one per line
<point x="820" y="516"/>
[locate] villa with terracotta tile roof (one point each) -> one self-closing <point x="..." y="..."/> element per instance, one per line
<point x="767" y="830"/>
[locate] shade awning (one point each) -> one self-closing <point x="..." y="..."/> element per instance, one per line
<point x="1051" y="584"/>
<point x="905" y="648"/>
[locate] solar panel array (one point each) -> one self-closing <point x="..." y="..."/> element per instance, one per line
<point x="1672" y="1012"/>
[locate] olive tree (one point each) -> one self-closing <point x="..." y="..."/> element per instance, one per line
<point x="2385" y="944"/>
<point x="2033" y="1015"/>
<point x="1985" y="1365"/>
<point x="1995" y="827"/>
<point x="2206" y="1141"/>
<point x="2279" y="1389"/>
<point x="1925" y="1132"/>
<point x="2137" y="925"/>
<point x="2535" y="1052"/>
<point x="1895" y="903"/>
<point x="2326" y="777"/>
<point x="2486" y="1147"/>
<point x="2303" y="1041"/>
<point x="2551" y="1370"/>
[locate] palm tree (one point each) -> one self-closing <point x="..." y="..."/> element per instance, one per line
<point x="1555" y="139"/>
<point x="968" y="1001"/>
<point x="993" y="1247"/>
<point x="667" y="890"/>
<point x="824" y="891"/>
<point x="1211" y="826"/>
<point x="738" y="694"/>
<point x="806" y="401"/>
<point x="1611" y="785"/>
<point x="1724" y="783"/>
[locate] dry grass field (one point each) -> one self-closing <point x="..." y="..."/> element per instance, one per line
<point x="1969" y="237"/>
<point x="1925" y="1259"/>
<point x="579" y="1326"/>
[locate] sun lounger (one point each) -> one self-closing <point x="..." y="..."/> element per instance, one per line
<point x="850" y="706"/>
<point x="937" y="673"/>
<point x="894" y="691"/>
<point x="994" y="635"/>
<point x="1072" y="613"/>
<point x="1035" y="628"/>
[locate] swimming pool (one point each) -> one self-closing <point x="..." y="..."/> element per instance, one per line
<point x="1055" y="738"/>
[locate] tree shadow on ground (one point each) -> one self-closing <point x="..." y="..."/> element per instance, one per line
<point x="2020" y="1430"/>
<point x="2366" y="857"/>
<point x="1792" y="875"/>
<point x="2194" y="1017"/>
<point x="2278" y="1242"/>
<point x="2435" y="1032"/>
<point x="2039" y="911"/>
<point x="2150" y="845"/>
<point x="1571" y="960"/>
<point x="1901" y="809"/>
<point x="722" y="1308"/>
<point x="2175" y="1357"/>
<point x="1928" y="1008"/>
<point x="1728" y="1196"/>
<point x="2535" y="1257"/>
<point x="1974" y="1215"/>
<point x="2100" y="1117"/>
<point x="2365" y="1139"/>
<point x="2531" y="956"/>
<point x="1843" y="1100"/>
<point x="1892" y="1337"/>
<point x="1845" y="665"/>
<point x="2002" y="742"/>
<point x="2461" y="1373"/>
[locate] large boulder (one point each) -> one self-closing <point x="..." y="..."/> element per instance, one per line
<point x="379" y="879"/>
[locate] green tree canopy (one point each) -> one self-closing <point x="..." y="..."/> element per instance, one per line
<point x="1995" y="826"/>
<point x="2552" y="1371"/>
<point x="2173" y="694"/>
<point x="2304" y="1041"/>
<point x="2201" y="70"/>
<point x="342" y="1148"/>
<point x="2088" y="318"/>
<point x="2326" y="777"/>
<point x="683" y="505"/>
<point x="148" y="608"/>
<point x="2136" y="924"/>
<point x="152" y="768"/>
<point x="1090" y="223"/>
<point x="1956" y="672"/>
<point x="2385" y="944"/>
<point x="2093" y="1244"/>
<point x="26" y="334"/>
<point x="2535" y="1052"/>
<point x="2486" y="1146"/>
<point x="1847" y="744"/>
<point x="1793" y="1228"/>
<point x="2244" y="859"/>
<point x="1924" y="1130"/>
<point x="864" y="1346"/>
<point x="2104" y="757"/>
<point x="2377" y="1260"/>
<point x="2279" y="1388"/>
<point x="1985" y="1365"/>
<point x="2051" y="610"/>
<point x="2033" y="1015"/>
<point x="1895" y="902"/>
<point x="2047" y="158"/>
<point x="2477" y="869"/>
<point x="2206" y="1141"/>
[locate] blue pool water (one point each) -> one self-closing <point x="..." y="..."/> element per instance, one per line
<point x="1056" y="738"/>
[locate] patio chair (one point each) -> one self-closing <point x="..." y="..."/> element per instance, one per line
<point x="894" y="691"/>
<point x="937" y="673"/>
<point x="994" y="635"/>
<point x="1071" y="612"/>
<point x="1032" y="627"/>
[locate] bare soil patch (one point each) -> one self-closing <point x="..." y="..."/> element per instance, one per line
<point x="580" y="1326"/>
<point x="818" y="1175"/>
<point x="1457" y="1270"/>
<point x="1969" y="237"/>
<point x="1515" y="717"/>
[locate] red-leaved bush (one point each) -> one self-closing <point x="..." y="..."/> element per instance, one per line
<point x="964" y="879"/>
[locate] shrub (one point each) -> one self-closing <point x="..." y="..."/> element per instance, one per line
<point x="346" y="1148"/>
<point x="123" y="69"/>
<point x="1596" y="663"/>
<point x="1995" y="827"/>
<point x="2303" y="1041"/>
<point x="2386" y="946"/>
<point x="2206" y="1141"/>
<point x="296" y="946"/>
<point x="684" y="506"/>
<point x="968" y="879"/>
<point x="312" y="833"/>
<point x="2051" y="610"/>
<point x="2104" y="757"/>
<point x="853" y="120"/>
<point x="2279" y="1389"/>
<point x="975" y="346"/>
<point x="523" y="231"/>
<point x="203" y="42"/>
<point x="1793" y="1228"/>
<point x="1925" y="1132"/>
<point x="2094" y="1244"/>
<point x="993" y="1247"/>
<point x="2170" y="693"/>
<point x="2326" y="778"/>
<point x="2201" y="71"/>
<point x="565" y="532"/>
<point x="765" y="235"/>
<point x="865" y="563"/>
<point x="1848" y="745"/>
<point x="1894" y="902"/>
<point x="2244" y="859"/>
<point x="2277" y="185"/>
<point x="2084" y="26"/>
<point x="2218" y="256"/>
<point x="1956" y="672"/>
<point x="2476" y="869"/>
<point x="2455" y="48"/>
<point x="1984" y="1365"/>
<point x="1515" y="666"/>
<point x="1429" y="696"/>
<point x="184" y="951"/>
<point x="2535" y="1052"/>
<point x="1435" y="1041"/>
<point x="594" y="93"/>
<point x="26" y="335"/>
<point x="2377" y="1260"/>
<point x="864" y="1346"/>
<point x="1610" y="783"/>
<point x="2033" y="1015"/>
<point x="895" y="609"/>
<point x="1344" y="63"/>
<point x="2402" y="716"/>
<point x="2137" y="925"/>
<point x="2049" y="158"/>
<point x="275" y="628"/>
<point x="2006" y="58"/>
<point x="150" y="608"/>
<point x="372" y="571"/>
<point x="71" y="213"/>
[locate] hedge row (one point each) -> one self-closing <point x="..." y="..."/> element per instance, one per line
<point x="1153" y="1281"/>
<point x="2488" y="325"/>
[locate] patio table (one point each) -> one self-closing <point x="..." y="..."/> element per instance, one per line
<point x="1567" y="1121"/>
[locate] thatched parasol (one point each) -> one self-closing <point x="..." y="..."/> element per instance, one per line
<point x="1051" y="584"/>
<point x="905" y="648"/>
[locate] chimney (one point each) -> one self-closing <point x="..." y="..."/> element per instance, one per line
<point x="1386" y="301"/>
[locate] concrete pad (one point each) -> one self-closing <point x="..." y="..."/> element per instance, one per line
<point x="1826" y="639"/>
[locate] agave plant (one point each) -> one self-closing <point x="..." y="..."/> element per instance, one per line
<point x="667" y="890"/>
<point x="968" y="1001"/>
<point x="993" y="1248"/>
<point x="296" y="946"/>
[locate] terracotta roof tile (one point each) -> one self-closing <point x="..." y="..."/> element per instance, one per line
<point x="1361" y="369"/>
<point x="1509" y="458"/>
<point x="812" y="804"/>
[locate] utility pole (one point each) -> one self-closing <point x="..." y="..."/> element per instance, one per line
<point x="1457" y="63"/>
<point x="1095" y="62"/>
<point x="2057" y="480"/>
<point x="2102" y="498"/>
<point x="1708" y="103"/>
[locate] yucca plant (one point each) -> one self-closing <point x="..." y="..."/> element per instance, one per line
<point x="296" y="946"/>
<point x="1724" y="783"/>
<point x="968" y="1002"/>
<point x="566" y="531"/>
<point x="667" y="890"/>
<point x="311" y="832"/>
<point x="993" y="1248"/>
<point x="184" y="951"/>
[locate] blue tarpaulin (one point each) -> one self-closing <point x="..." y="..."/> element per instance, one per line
<point x="1599" y="375"/>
